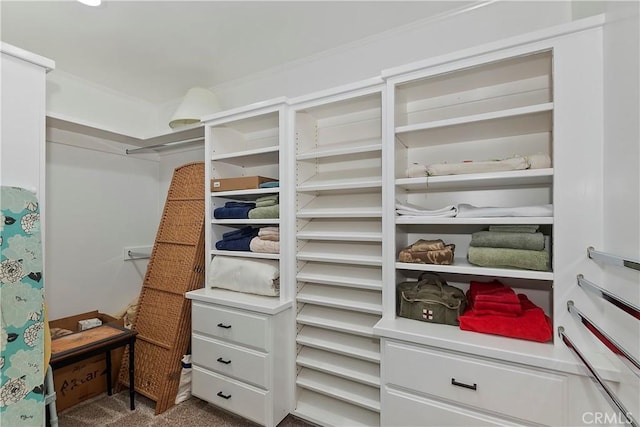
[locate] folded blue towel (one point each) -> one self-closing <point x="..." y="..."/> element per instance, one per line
<point x="270" y="184"/>
<point x="239" y="205"/>
<point x="242" y="244"/>
<point x="240" y="233"/>
<point x="232" y="213"/>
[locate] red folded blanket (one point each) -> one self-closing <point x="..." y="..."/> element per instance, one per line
<point x="531" y="325"/>
<point x="493" y="298"/>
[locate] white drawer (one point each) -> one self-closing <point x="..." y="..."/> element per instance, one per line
<point x="239" y="398"/>
<point x="516" y="391"/>
<point x="231" y="325"/>
<point x="227" y="359"/>
<point x="408" y="410"/>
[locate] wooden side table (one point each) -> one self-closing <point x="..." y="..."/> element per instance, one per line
<point x="77" y="346"/>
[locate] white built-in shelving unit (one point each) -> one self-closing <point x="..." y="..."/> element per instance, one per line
<point x="234" y="332"/>
<point x="338" y="166"/>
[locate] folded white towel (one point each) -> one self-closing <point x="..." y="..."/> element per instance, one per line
<point x="409" y="209"/>
<point x="470" y="211"/>
<point x="539" y="161"/>
<point x="510" y="164"/>
<point x="416" y="170"/>
<point x="253" y="276"/>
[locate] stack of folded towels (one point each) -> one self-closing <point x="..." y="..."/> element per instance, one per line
<point x="428" y="252"/>
<point x="267" y="241"/>
<point x="266" y="207"/>
<point x="509" y="246"/>
<point x="234" y="210"/>
<point x="237" y="240"/>
<point x="494" y="308"/>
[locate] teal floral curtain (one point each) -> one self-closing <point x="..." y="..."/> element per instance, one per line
<point x="22" y="367"/>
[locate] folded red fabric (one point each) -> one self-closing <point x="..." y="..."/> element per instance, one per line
<point x="502" y="309"/>
<point x="533" y="324"/>
<point x="493" y="298"/>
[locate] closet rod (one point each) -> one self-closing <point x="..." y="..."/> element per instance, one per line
<point x="605" y="338"/>
<point x="166" y="144"/>
<point x="623" y="305"/>
<point x="606" y="391"/>
<point x="612" y="259"/>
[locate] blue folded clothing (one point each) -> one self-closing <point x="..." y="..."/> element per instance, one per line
<point x="239" y="204"/>
<point x="270" y="184"/>
<point x="242" y="244"/>
<point x="232" y="213"/>
<point x="240" y="233"/>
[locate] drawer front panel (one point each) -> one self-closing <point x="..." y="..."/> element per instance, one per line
<point x="231" y="325"/>
<point x="241" y="399"/>
<point x="403" y="409"/>
<point x="232" y="361"/>
<point x="515" y="391"/>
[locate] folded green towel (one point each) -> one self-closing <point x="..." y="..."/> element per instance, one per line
<point x="265" y="201"/>
<point x="515" y="228"/>
<point x="506" y="258"/>
<point x="498" y="239"/>
<point x="265" y="212"/>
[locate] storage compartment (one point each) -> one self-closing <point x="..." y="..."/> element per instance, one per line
<point x="87" y="378"/>
<point x="237" y="326"/>
<point x="227" y="359"/>
<point x="478" y="383"/>
<point x="242" y="399"/>
<point x="239" y="183"/>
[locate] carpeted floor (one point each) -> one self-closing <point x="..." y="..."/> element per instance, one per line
<point x="113" y="411"/>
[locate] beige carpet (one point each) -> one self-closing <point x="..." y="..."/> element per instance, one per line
<point x="113" y="411"/>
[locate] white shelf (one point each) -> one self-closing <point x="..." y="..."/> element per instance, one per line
<point x="341" y="149"/>
<point x="348" y="391"/>
<point x="323" y="410"/>
<point x="364" y="301"/>
<point x="338" y="320"/>
<point x="342" y="366"/>
<point x="462" y="266"/>
<point x="250" y="158"/>
<point x="342" y="343"/>
<point x="259" y="303"/>
<point x="245" y="221"/>
<point x="367" y="205"/>
<point x="342" y="275"/>
<point x="496" y="124"/>
<point x="343" y="180"/>
<point x="364" y="231"/>
<point x="342" y="253"/>
<point x="245" y="254"/>
<point x="418" y="220"/>
<point x="251" y="194"/>
<point x="478" y="180"/>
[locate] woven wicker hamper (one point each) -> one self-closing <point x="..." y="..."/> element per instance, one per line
<point x="176" y="266"/>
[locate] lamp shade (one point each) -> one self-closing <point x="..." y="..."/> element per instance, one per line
<point x="196" y="103"/>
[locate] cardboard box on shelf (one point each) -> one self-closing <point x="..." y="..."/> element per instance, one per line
<point x="238" y="183"/>
<point x="87" y="378"/>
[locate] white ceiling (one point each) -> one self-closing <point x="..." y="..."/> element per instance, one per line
<point x="156" y="50"/>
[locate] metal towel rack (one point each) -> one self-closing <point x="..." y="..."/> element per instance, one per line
<point x="623" y="305"/>
<point x="613" y="259"/>
<point x="611" y="343"/>
<point x="606" y="391"/>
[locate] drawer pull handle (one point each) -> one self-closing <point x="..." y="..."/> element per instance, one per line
<point x="224" y="396"/>
<point x="471" y="387"/>
<point x="222" y="325"/>
<point x="221" y="360"/>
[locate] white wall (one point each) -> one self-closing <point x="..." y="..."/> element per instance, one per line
<point x="622" y="179"/>
<point x="98" y="203"/>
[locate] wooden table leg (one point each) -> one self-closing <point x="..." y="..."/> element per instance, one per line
<point x="132" y="388"/>
<point x="109" y="385"/>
